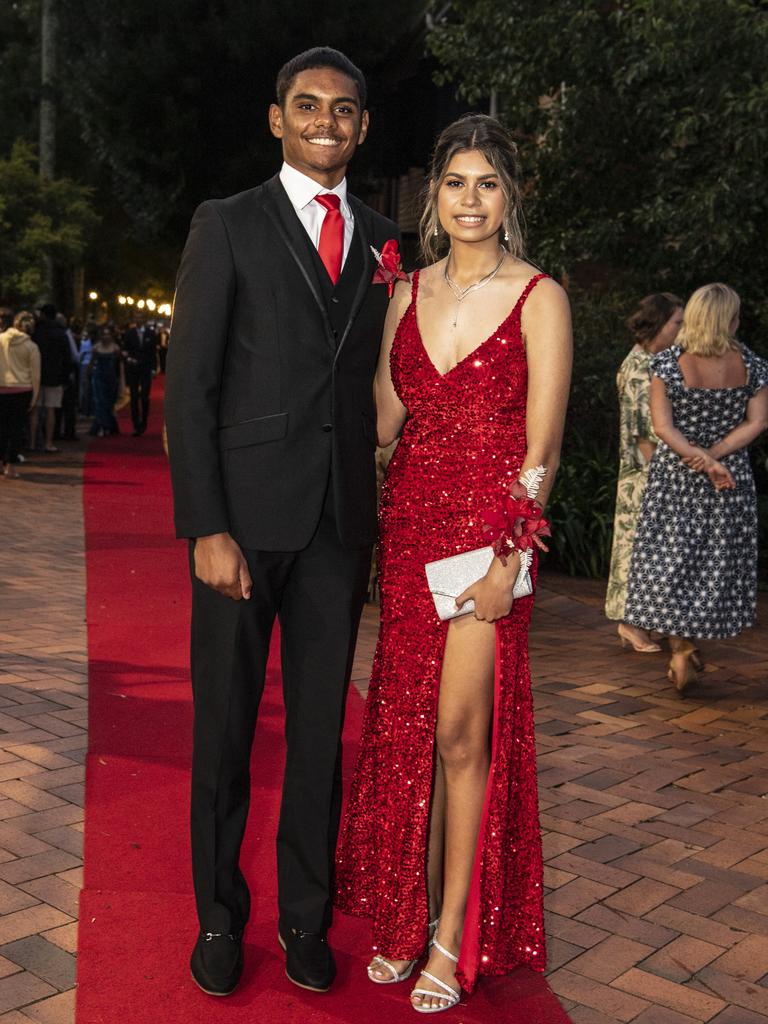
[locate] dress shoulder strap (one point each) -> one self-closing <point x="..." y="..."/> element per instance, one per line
<point x="414" y="285"/>
<point x="530" y="286"/>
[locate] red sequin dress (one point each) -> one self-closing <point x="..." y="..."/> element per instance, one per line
<point x="462" y="445"/>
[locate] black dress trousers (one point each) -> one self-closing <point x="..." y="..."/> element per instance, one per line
<point x="317" y="595"/>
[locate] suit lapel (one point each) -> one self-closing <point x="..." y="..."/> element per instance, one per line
<point x="291" y="230"/>
<point x="360" y="238"/>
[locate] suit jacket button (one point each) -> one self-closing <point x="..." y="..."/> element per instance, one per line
<point x="327" y="427"/>
<point x="334" y="299"/>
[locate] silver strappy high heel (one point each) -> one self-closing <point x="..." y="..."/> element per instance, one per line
<point x="452" y="995"/>
<point x="379" y="962"/>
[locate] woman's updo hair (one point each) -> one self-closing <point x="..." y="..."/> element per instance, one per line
<point x="489" y="137"/>
<point x="651" y="314"/>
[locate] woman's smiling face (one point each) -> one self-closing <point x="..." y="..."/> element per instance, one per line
<point x="470" y="201"/>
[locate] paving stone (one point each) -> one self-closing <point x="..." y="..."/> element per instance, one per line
<point x="26" y="868"/>
<point x="639" y="929"/>
<point x="24" y="792"/>
<point x="64" y="838"/>
<point x="586" y="1015"/>
<point x="663" y="1015"/>
<point x="682" y="958"/>
<point x="738" y="1015"/>
<point x="610" y="958"/>
<point x="621" y="1006"/>
<point x="59" y="1009"/>
<point x="705" y="898"/>
<point x="748" y="959"/>
<point x="29" y="922"/>
<point x="641" y="896"/>
<point x="735" y="990"/>
<point x="43" y="959"/>
<point x="21" y="989"/>
<point x="54" y="891"/>
<point x="573" y="897"/>
<point x="696" y="1004"/>
<point x="746" y="920"/>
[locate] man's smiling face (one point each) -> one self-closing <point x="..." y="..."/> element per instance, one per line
<point x="320" y="124"/>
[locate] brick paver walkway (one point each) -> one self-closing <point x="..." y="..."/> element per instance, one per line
<point x="43" y="709"/>
<point x="655" y="809"/>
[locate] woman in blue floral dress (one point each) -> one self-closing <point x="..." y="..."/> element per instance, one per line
<point x="693" y="572"/>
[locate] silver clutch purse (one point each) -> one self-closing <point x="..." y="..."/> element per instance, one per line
<point x="449" y="577"/>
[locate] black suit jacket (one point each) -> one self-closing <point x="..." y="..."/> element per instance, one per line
<point x="55" y="353"/>
<point x="140" y="351"/>
<point x="268" y="388"/>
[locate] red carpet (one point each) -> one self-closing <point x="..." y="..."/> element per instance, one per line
<point x="137" y="920"/>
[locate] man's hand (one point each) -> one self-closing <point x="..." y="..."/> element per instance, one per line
<point x="220" y="564"/>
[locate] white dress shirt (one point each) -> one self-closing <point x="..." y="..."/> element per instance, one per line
<point x="302" y="190"/>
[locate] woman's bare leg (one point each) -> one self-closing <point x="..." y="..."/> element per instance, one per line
<point x="465" y="708"/>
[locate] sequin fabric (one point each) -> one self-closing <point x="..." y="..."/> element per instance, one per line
<point x="462" y="445"/>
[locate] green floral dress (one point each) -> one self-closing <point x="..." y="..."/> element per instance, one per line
<point x="634" y="383"/>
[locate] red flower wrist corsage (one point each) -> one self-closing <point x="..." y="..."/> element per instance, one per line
<point x="517" y="525"/>
<point x="390" y="267"/>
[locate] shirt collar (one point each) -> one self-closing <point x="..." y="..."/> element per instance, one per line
<point x="302" y="189"/>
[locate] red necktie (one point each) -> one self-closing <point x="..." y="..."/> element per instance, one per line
<point x="331" y="244"/>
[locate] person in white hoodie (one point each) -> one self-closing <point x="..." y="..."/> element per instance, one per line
<point x="19" y="386"/>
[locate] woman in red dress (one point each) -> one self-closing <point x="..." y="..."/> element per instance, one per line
<point x="442" y="819"/>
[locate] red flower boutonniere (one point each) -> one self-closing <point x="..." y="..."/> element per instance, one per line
<point x="518" y="524"/>
<point x="390" y="266"/>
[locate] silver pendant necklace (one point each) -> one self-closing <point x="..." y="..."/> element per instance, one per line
<point x="461" y="293"/>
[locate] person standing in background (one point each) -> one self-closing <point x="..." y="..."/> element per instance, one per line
<point x="140" y="351"/>
<point x="104" y="375"/>
<point x="65" y="422"/>
<point x="19" y="386"/>
<point x="163" y="337"/>
<point x="693" y="572"/>
<point x="654" y="326"/>
<point x="55" y="363"/>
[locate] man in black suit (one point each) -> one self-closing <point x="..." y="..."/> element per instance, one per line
<point x="271" y="430"/>
<point x="139" y="344"/>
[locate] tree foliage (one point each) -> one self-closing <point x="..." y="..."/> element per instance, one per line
<point x="171" y="99"/>
<point x="39" y="220"/>
<point x="643" y="125"/>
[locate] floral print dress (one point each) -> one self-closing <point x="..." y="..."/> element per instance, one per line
<point x="693" y="571"/>
<point x="634" y="384"/>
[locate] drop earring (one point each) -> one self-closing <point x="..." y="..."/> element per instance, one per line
<point x="436" y="231"/>
<point x="506" y="236"/>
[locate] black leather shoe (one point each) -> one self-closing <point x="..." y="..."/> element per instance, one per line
<point x="309" y="961"/>
<point x="217" y="962"/>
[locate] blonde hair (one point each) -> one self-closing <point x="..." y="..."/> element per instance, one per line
<point x="707" y="320"/>
<point x="489" y="137"/>
<point x="24" y="321"/>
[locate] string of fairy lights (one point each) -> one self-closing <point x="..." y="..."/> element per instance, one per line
<point x="150" y="305"/>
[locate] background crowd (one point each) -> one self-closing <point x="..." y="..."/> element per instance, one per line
<point x="55" y="370"/>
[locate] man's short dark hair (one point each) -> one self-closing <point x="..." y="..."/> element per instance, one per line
<point x="319" y="57"/>
<point x="49" y="311"/>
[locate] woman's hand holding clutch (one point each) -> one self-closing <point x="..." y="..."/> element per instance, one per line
<point x="493" y="593"/>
